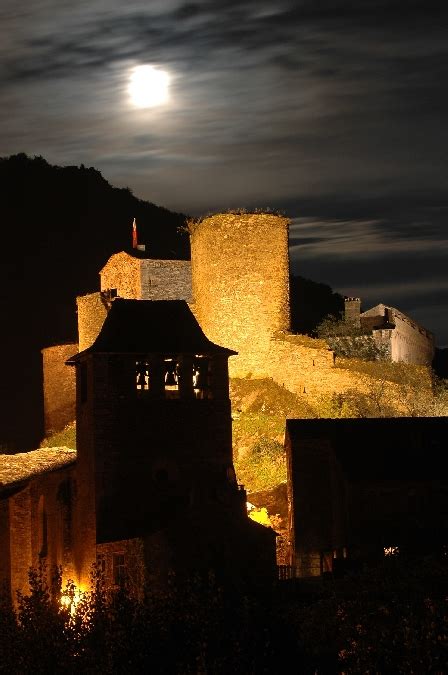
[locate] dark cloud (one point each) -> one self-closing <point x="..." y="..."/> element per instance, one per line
<point x="333" y="111"/>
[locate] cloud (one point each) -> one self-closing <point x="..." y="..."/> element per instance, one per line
<point x="332" y="110"/>
<point x="363" y="238"/>
<point x="399" y="262"/>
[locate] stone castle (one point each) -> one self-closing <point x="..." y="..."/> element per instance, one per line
<point x="237" y="286"/>
<point x="153" y="479"/>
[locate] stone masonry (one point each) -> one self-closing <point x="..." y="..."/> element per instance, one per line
<point x="59" y="387"/>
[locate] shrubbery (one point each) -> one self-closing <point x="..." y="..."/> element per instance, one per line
<point x="392" y="618"/>
<point x="348" y="339"/>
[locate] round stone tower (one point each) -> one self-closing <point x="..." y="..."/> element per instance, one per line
<point x="240" y="276"/>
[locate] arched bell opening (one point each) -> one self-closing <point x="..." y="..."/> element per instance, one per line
<point x="173" y="376"/>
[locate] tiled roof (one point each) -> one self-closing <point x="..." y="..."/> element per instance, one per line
<point x="152" y="326"/>
<point x="25" y="465"/>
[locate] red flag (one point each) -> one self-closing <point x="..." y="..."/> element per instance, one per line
<point x="134" y="234"/>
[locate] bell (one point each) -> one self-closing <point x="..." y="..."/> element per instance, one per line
<point x="201" y="379"/>
<point x="201" y="375"/>
<point x="141" y="380"/>
<point x="171" y="376"/>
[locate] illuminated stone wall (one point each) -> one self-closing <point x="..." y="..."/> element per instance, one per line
<point x="59" y="387"/>
<point x="147" y="279"/>
<point x="402" y="337"/>
<point x="307" y="371"/>
<point x="35" y="526"/>
<point x="123" y="272"/>
<point x="410" y="342"/>
<point x="166" y="280"/>
<point x="240" y="272"/>
<point x="92" y="311"/>
<point x="18" y="537"/>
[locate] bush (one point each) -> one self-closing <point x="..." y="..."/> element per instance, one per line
<point x="263" y="466"/>
<point x="348" y="339"/>
<point x="389" y="618"/>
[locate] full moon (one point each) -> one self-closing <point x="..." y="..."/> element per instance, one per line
<point x="148" y="86"/>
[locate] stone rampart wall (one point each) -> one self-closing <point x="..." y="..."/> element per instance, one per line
<point x="405" y="339"/>
<point x="166" y="280"/>
<point x="307" y="371"/>
<point x="410" y="343"/>
<point x="59" y="387"/>
<point x="92" y="312"/>
<point x="294" y="363"/>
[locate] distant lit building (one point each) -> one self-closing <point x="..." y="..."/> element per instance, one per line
<point x="394" y="333"/>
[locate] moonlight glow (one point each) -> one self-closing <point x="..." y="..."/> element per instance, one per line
<point x="148" y="86"/>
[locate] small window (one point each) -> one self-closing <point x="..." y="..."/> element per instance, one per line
<point x="142" y="376"/>
<point x="119" y="569"/>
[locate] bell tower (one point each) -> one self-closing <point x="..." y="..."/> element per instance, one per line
<point x="154" y="444"/>
<point x="153" y="420"/>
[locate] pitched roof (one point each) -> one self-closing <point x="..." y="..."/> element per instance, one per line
<point x="396" y="448"/>
<point x="152" y="326"/>
<point x="25" y="465"/>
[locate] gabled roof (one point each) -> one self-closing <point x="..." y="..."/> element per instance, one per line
<point x="25" y="465"/>
<point x="394" y="448"/>
<point x="383" y="310"/>
<point x="151" y="326"/>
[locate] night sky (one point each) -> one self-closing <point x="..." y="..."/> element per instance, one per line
<point x="332" y="112"/>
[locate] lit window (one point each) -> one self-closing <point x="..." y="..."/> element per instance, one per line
<point x="391" y="550"/>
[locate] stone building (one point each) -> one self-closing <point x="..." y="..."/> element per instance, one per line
<point x="359" y="489"/>
<point x="396" y="334"/>
<point x="35" y="513"/>
<point x="153" y="489"/>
